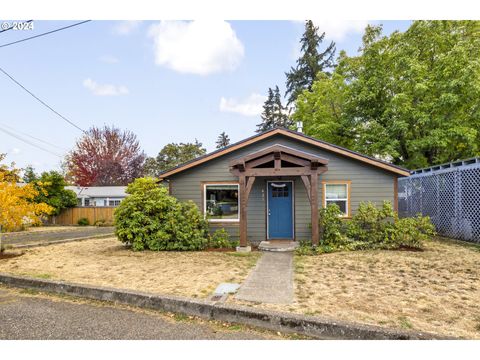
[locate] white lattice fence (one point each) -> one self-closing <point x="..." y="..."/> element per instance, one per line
<point x="450" y="195"/>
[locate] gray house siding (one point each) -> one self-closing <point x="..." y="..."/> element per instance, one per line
<point x="368" y="183"/>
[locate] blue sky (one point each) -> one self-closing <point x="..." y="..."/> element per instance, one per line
<point x="166" y="82"/>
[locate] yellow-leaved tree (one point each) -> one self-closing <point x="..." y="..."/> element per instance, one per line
<point x="16" y="202"/>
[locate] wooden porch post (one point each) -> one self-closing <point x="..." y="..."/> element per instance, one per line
<point x="243" y="211"/>
<point x="314" y="206"/>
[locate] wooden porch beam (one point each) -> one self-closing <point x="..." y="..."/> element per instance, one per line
<point x="283" y="150"/>
<point x="260" y="161"/>
<point x="295" y="160"/>
<point x="290" y="171"/>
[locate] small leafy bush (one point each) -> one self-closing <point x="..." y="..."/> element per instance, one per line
<point x="220" y="239"/>
<point x="103" y="222"/>
<point x="369" y="228"/>
<point x="412" y="232"/>
<point x="331" y="226"/>
<point x="83" y="222"/>
<point x="151" y="219"/>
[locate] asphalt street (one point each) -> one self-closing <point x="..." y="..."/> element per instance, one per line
<point x="30" y="316"/>
<point x="30" y="237"/>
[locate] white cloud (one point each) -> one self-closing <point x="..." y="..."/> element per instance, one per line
<point x="109" y="59"/>
<point x="126" y="27"/>
<point x="196" y="47"/>
<point x="251" y="106"/>
<point x="15" y="151"/>
<point x="337" y="30"/>
<point x="104" y="89"/>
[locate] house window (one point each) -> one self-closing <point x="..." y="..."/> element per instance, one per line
<point x="114" y="202"/>
<point x="221" y="202"/>
<point x="337" y="193"/>
<point x="87" y="202"/>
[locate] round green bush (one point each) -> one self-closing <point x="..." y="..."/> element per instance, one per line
<point x="83" y="222"/>
<point x="151" y="219"/>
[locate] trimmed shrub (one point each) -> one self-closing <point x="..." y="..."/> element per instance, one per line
<point x="83" y="222"/>
<point x="220" y="239"/>
<point x="412" y="232"/>
<point x="369" y="228"/>
<point x="151" y="219"/>
<point x="331" y="227"/>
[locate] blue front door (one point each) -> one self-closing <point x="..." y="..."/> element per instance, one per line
<point x="280" y="210"/>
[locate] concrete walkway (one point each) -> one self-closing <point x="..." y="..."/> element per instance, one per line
<point x="271" y="281"/>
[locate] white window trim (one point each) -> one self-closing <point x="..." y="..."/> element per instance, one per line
<point x="347" y="199"/>
<point x="205" y="202"/>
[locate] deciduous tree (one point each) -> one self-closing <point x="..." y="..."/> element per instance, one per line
<point x="51" y="190"/>
<point x="17" y="207"/>
<point x="172" y="155"/>
<point x="410" y="98"/>
<point x="9" y="172"/>
<point x="105" y="156"/>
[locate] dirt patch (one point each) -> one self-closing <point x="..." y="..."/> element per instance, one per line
<point x="5" y="256"/>
<point x="436" y="290"/>
<point x="106" y="262"/>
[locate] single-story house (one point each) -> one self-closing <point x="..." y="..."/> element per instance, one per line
<point x="98" y="195"/>
<point x="271" y="185"/>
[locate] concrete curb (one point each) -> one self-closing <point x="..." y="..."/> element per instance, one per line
<point x="54" y="242"/>
<point x="276" y="321"/>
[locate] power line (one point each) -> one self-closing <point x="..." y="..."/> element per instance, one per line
<point x="32" y="137"/>
<point x="11" y="27"/>
<point x="28" y="142"/>
<point x="42" y="102"/>
<point x="46" y="33"/>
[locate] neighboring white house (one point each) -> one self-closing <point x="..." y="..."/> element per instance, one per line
<point x="99" y="195"/>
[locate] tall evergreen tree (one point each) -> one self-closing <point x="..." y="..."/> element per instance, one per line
<point x="274" y="113"/>
<point x="29" y="174"/>
<point x="223" y="140"/>
<point x="310" y="63"/>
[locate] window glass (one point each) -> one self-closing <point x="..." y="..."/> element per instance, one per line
<point x="279" y="190"/>
<point x="113" y="202"/>
<point x="221" y="202"/>
<point x="336" y="191"/>
<point x="337" y="194"/>
<point x="87" y="202"/>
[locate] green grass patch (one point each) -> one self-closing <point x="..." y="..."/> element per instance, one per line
<point x="405" y="322"/>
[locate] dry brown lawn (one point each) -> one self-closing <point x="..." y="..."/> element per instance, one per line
<point x="106" y="262"/>
<point x="436" y="290"/>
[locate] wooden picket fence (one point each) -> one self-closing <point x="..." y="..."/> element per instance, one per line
<point x="92" y="213"/>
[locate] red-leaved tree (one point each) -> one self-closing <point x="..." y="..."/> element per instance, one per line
<point x="105" y="156"/>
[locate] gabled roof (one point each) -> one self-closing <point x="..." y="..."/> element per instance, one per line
<point x="293" y="135"/>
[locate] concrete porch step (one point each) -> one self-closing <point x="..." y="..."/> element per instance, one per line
<point x="278" y="245"/>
